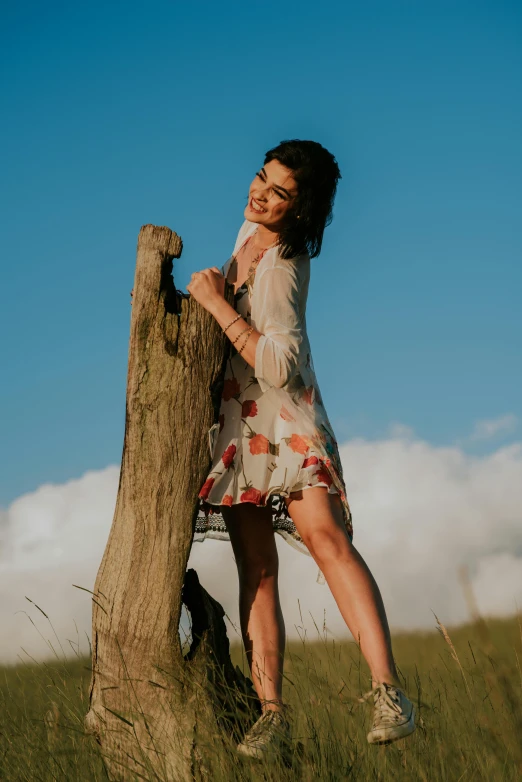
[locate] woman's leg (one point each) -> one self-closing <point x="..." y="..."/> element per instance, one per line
<point x="318" y="518"/>
<point x="262" y="626"/>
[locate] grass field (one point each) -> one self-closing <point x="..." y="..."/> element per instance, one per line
<point x="466" y="683"/>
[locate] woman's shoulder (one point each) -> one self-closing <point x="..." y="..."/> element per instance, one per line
<point x="285" y="272"/>
<point x="298" y="265"/>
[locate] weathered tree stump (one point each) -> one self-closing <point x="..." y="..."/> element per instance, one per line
<point x="152" y="709"/>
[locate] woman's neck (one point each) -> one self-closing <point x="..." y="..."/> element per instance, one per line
<point x="265" y="237"/>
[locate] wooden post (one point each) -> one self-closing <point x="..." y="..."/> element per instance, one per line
<point x="151" y="708"/>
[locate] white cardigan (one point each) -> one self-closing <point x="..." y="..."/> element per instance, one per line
<point x="279" y="313"/>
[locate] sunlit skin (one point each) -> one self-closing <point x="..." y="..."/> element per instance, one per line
<point x="316" y="514"/>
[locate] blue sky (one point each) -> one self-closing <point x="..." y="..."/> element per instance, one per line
<point x="117" y="115"/>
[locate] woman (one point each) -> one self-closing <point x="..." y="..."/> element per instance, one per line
<point x="275" y="461"/>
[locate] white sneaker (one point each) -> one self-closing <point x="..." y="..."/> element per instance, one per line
<point x="270" y="733"/>
<point x="394" y="714"/>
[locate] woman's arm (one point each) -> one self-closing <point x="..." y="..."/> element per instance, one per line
<point x="224" y="313"/>
<point x="278" y="292"/>
<point x="273" y="352"/>
<point x="208" y="288"/>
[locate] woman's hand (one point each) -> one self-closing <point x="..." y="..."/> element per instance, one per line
<point x="207" y="287"/>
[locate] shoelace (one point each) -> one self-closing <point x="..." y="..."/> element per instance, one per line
<point x="385" y="705"/>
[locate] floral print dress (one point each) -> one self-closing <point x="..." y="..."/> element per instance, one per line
<point x="267" y="444"/>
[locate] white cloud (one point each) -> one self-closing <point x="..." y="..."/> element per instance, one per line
<point x="489" y="428"/>
<point x="400" y="431"/>
<point x="50" y="539"/>
<point x="419" y="512"/>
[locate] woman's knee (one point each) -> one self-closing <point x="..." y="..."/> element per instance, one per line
<point x="326" y="545"/>
<point x="257" y="572"/>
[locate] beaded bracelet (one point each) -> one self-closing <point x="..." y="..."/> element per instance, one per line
<point x="246" y="339"/>
<point x="231" y="322"/>
<point x="241" y="332"/>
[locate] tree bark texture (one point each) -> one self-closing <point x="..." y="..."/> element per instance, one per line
<point x="155" y="712"/>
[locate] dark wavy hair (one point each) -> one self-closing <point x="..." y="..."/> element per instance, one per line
<point x="316" y="172"/>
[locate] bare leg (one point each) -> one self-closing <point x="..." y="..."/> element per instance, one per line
<point x="318" y="518"/>
<point x="262" y="626"/>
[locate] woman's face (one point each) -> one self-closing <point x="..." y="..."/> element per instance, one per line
<point x="271" y="194"/>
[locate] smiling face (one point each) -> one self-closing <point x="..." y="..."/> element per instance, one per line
<point x="271" y="195"/>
